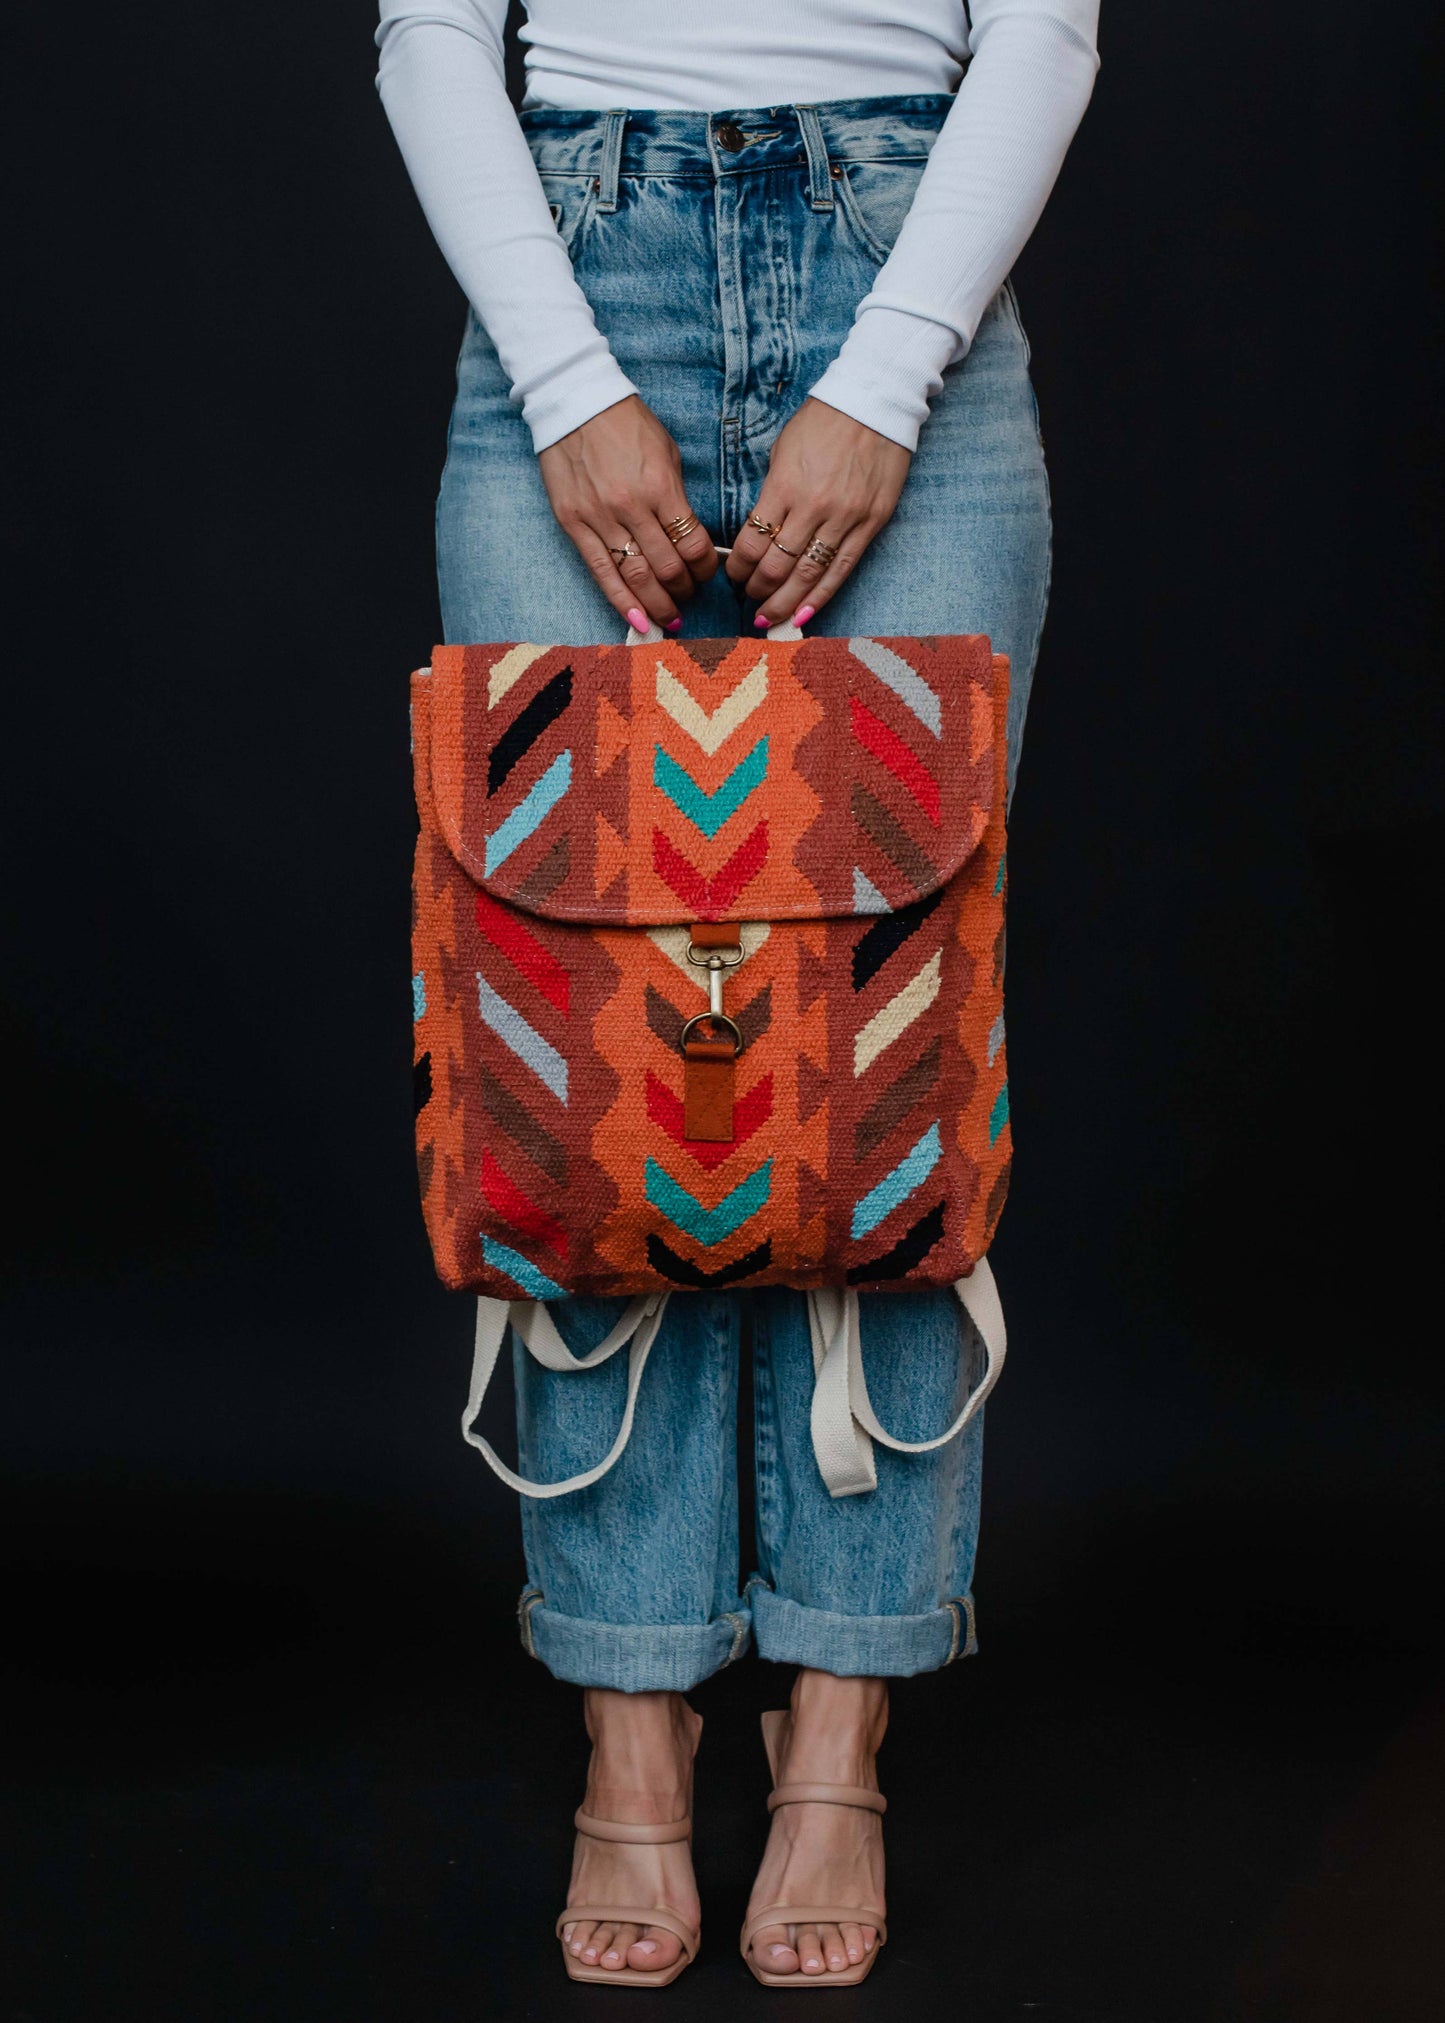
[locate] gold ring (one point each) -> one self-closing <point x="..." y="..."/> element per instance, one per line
<point x="762" y="526"/>
<point x="794" y="552"/>
<point x="819" y="552"/>
<point x="622" y="553"/>
<point x="678" y="530"/>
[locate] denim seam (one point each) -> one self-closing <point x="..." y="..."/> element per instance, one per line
<point x="529" y="1600"/>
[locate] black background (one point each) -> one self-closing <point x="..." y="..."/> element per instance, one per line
<point x="273" y="1750"/>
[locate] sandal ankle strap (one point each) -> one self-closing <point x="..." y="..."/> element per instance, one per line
<point x="827" y="1794"/>
<point x="625" y="1829"/>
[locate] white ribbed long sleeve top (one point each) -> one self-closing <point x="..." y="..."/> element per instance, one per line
<point x="441" y="80"/>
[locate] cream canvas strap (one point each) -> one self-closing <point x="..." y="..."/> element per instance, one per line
<point x="843" y="1420"/>
<point x="844" y="1424"/>
<point x="637" y="1330"/>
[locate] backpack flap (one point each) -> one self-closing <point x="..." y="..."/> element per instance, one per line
<point x="760" y="779"/>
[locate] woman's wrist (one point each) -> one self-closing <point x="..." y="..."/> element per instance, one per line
<point x="889" y="369"/>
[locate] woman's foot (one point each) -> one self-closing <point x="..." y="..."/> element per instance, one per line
<point x="641" y="1771"/>
<point x="824" y="1854"/>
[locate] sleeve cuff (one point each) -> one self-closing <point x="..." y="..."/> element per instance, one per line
<point x="559" y="408"/>
<point x="889" y="369"/>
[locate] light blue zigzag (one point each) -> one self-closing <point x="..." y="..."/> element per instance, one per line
<point x="866" y="896"/>
<point x="905" y="1179"/>
<point x="529" y="814"/>
<point x="708" y="812"/>
<point x="905" y="681"/>
<point x="501" y="1257"/>
<point x="708" y="1225"/>
<point x="998" y="1115"/>
<point x="525" y="1041"/>
<point x="418" y="997"/>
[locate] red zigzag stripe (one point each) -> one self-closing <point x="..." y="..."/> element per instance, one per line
<point x="751" y="1111"/>
<point x="513" y="1206"/>
<point x="707" y="898"/>
<point x="524" y="952"/>
<point x="890" y="751"/>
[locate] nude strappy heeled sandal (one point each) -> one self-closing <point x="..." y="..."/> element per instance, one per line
<point x="813" y="1914"/>
<point x="631" y="1914"/>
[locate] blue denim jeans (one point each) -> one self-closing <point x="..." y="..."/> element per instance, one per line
<point x="724" y="283"/>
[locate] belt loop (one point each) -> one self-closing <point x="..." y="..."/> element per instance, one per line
<point x="611" y="166"/>
<point x="820" y="181"/>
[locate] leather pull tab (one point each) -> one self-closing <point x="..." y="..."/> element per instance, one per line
<point x="707" y="1090"/>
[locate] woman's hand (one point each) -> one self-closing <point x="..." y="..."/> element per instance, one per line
<point x="832" y="481"/>
<point x="618" y="480"/>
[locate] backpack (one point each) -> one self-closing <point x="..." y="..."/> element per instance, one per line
<point x="708" y="943"/>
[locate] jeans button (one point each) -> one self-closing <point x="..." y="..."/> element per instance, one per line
<point x="731" y="137"/>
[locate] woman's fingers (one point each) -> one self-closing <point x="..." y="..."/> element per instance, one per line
<point x="625" y="579"/>
<point x="807" y="564"/>
<point x="693" y="547"/>
<point x="750" y="544"/>
<point x="814" y="580"/>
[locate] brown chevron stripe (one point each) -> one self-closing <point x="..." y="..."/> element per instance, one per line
<point x="896" y="1102"/>
<point x="708" y="653"/>
<point x="519" y="1124"/>
<point x="541" y="883"/>
<point x="895" y="842"/>
<point x="756" y="1016"/>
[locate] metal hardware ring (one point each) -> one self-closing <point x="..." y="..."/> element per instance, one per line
<point x="712" y="1018"/>
<point x="622" y="553"/>
<point x="794" y="552"/>
<point x="820" y="552"/>
<point x="712" y="958"/>
<point x="763" y="526"/>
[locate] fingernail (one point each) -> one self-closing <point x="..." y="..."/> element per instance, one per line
<point x="761" y="620"/>
<point x="803" y="613"/>
<point x="675" y="625"/>
<point x="637" y="620"/>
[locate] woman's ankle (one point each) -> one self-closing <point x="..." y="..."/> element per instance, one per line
<point x="642" y="1750"/>
<point x="837" y="1727"/>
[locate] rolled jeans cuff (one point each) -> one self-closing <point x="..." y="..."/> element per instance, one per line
<point x="631" y="1657"/>
<point x="887" y="1647"/>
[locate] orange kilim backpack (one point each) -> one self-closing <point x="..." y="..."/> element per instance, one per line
<point x="708" y="951"/>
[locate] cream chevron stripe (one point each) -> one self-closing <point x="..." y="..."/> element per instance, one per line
<point x="905" y="681"/>
<point x="712" y="731"/>
<point x="898" y="1014"/>
<point x="506" y="672"/>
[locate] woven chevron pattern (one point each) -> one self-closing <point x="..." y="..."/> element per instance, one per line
<point x="843" y="801"/>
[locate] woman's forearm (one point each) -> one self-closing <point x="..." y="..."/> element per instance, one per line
<point x="442" y="83"/>
<point x="987" y="180"/>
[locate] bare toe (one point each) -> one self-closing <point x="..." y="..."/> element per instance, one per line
<point x="656" y="1948"/>
<point x="576" y="1936"/>
<point x="834" y="1951"/>
<point x="592" y="1945"/>
<point x="852" y="1936"/>
<point x="773" y="1950"/>
<point x="620" y="1938"/>
<point x="810" y="1950"/>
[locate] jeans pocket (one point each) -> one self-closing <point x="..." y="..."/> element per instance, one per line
<point x="875" y="198"/>
<point x="572" y="200"/>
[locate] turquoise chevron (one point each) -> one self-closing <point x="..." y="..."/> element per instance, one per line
<point x="907" y="1176"/>
<point x="708" y="812"/>
<point x="1002" y="867"/>
<point x="998" y="1115"/>
<point x="708" y="1225"/>
<point x="501" y="1257"/>
<point x="529" y="814"/>
<point x="418" y="997"/>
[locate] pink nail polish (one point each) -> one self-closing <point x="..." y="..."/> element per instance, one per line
<point x="803" y="613"/>
<point x="761" y="620"/>
<point x="674" y="626"/>
<point x="638" y="620"/>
